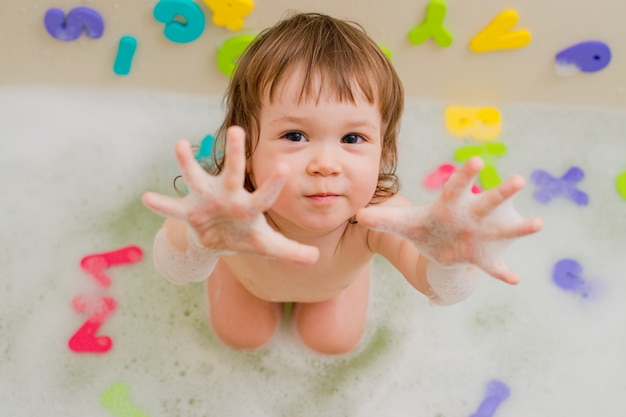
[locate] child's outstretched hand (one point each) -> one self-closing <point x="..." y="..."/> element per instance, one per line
<point x="460" y="227"/>
<point x="223" y="214"/>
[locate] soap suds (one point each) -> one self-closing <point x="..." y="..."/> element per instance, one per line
<point x="73" y="167"/>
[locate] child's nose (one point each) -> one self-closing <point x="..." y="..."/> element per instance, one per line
<point x="325" y="162"/>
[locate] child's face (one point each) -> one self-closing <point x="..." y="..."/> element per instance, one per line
<point x="333" y="152"/>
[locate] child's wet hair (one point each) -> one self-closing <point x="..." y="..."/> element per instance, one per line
<point x="338" y="58"/>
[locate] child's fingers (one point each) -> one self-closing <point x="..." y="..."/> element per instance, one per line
<point x="395" y="219"/>
<point x="522" y="228"/>
<point x="461" y="180"/>
<point x="265" y="196"/>
<point x="164" y="205"/>
<point x="499" y="270"/>
<point x="493" y="198"/>
<point x="192" y="172"/>
<point x="278" y="246"/>
<point x="235" y="158"/>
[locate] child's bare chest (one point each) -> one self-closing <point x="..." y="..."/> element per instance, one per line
<point x="280" y="281"/>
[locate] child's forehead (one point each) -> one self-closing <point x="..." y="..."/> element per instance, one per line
<point x="304" y="85"/>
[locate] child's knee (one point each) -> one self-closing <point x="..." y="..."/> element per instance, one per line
<point x="329" y="338"/>
<point x="335" y="326"/>
<point x="238" y="318"/>
<point x="331" y="343"/>
<point x="246" y="334"/>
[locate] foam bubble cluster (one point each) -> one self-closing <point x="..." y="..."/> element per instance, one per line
<point x="73" y="165"/>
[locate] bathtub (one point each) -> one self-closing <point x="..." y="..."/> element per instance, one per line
<point x="76" y="157"/>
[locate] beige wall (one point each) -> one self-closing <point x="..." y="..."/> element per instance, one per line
<point x="30" y="56"/>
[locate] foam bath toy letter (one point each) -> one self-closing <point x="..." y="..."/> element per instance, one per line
<point x="387" y="52"/>
<point x="497" y="392"/>
<point x="230" y="51"/>
<point x="125" y="54"/>
<point x="567" y="275"/>
<point x="439" y="177"/>
<point x="206" y="147"/>
<point x="184" y="19"/>
<point x="498" y="34"/>
<point x="230" y="13"/>
<point x="590" y="56"/>
<point x="549" y="187"/>
<point x="85" y="339"/>
<point x="95" y="264"/>
<point x="71" y="28"/>
<point x="489" y="176"/>
<point x="116" y="400"/>
<point x="620" y="183"/>
<point x="480" y="123"/>
<point x="432" y="26"/>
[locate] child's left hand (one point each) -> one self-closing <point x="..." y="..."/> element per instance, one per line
<point x="460" y="227"/>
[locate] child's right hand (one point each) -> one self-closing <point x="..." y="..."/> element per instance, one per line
<point x="223" y="214"/>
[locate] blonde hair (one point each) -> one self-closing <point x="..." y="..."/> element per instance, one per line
<point x="341" y="56"/>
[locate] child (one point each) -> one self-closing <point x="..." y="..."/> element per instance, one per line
<point x="306" y="194"/>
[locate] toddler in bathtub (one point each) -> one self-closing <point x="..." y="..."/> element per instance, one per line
<point x="304" y="193"/>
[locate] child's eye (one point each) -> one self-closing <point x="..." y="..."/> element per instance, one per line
<point x="294" y="137"/>
<point x="352" y="139"/>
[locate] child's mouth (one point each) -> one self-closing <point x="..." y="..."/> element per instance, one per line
<point x="323" y="197"/>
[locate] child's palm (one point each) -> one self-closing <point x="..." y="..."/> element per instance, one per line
<point x="459" y="227"/>
<point x="223" y="214"/>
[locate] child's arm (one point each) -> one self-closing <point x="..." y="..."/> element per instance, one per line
<point x="218" y="216"/>
<point x="180" y="257"/>
<point x="455" y="234"/>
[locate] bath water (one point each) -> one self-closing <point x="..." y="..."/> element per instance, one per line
<point x="73" y="165"/>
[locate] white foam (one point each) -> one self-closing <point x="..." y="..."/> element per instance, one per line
<point x="195" y="264"/>
<point x="566" y="68"/>
<point x="73" y="165"/>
